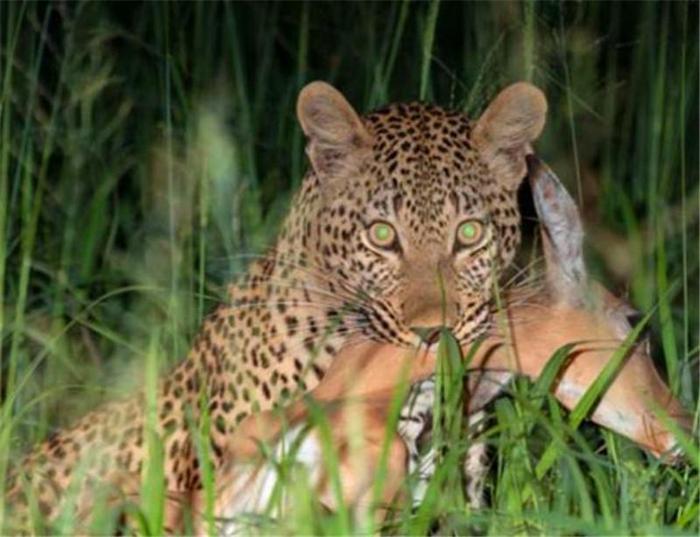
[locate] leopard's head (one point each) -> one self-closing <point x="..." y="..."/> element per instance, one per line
<point x="410" y="212"/>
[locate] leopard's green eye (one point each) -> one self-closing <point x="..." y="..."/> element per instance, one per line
<point x="469" y="232"/>
<point x="382" y="234"/>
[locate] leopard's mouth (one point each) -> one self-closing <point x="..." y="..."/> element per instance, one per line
<point x="428" y="335"/>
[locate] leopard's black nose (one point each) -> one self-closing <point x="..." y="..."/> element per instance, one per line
<point x="427" y="334"/>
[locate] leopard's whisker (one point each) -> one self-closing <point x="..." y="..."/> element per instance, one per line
<point x="316" y="272"/>
<point x="524" y="271"/>
<point x="274" y="283"/>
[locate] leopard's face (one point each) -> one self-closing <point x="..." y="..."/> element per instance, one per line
<point x="412" y="214"/>
<point x="419" y="230"/>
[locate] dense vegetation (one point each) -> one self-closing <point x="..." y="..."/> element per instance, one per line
<point x="146" y="149"/>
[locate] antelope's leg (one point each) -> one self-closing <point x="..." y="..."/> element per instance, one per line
<point x="476" y="465"/>
<point x="414" y="427"/>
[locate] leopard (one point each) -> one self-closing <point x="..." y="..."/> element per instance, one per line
<point x="403" y="223"/>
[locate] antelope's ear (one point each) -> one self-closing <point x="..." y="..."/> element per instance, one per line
<point x="504" y="132"/>
<point x="562" y="234"/>
<point x="337" y="139"/>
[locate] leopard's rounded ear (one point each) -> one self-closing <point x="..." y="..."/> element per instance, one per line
<point x="504" y="132"/>
<point x="336" y="135"/>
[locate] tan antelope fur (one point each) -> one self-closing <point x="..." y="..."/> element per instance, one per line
<point x="567" y="309"/>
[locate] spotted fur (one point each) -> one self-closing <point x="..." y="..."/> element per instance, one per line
<point x="324" y="285"/>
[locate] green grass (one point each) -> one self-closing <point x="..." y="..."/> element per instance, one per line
<point x="145" y="151"/>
